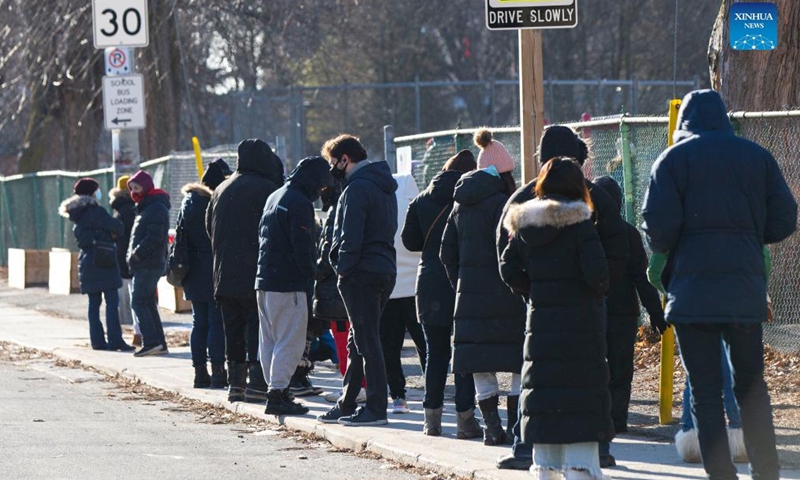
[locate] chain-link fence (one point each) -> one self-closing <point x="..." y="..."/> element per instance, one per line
<point x="29" y="203"/>
<point x="625" y="148"/>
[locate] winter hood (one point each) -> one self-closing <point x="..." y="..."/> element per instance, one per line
<point x="474" y="187"/>
<point x="538" y="221"/>
<point x="612" y="188"/>
<point x="312" y="174"/>
<point x="407" y="262"/>
<point x="377" y="172"/>
<point x="443" y="186"/>
<point x="155" y="195"/>
<point x="255" y="156"/>
<point x="119" y="195"/>
<point x="197" y="188"/>
<point x="73" y="207"/>
<point x="701" y="111"/>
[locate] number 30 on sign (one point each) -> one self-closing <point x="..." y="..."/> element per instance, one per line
<point x="120" y="23"/>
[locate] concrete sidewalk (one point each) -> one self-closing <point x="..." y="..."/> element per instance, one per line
<point x="401" y="440"/>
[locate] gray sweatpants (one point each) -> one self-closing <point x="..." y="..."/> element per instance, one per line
<point x="284" y="319"/>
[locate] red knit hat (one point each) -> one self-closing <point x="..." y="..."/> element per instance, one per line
<point x="493" y="152"/>
<point x="143" y="179"/>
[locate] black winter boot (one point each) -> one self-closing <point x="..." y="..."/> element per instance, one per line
<point x="218" y="375"/>
<point x="279" y="402"/>
<point x="201" y="378"/>
<point x="257" y="387"/>
<point x="512" y="408"/>
<point x="237" y="380"/>
<point x="493" y="433"/>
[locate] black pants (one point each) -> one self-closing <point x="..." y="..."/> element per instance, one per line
<point x="365" y="295"/>
<point x="439" y="349"/>
<point x="620" y="340"/>
<point x="700" y="354"/>
<point x="400" y="315"/>
<point x="240" y="319"/>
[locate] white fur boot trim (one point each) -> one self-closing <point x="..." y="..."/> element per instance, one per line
<point x="736" y="444"/>
<point x="688" y="446"/>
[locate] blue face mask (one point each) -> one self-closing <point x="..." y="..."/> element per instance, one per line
<point x="492" y="170"/>
<point x="98" y="195"/>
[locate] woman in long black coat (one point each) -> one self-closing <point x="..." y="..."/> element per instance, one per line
<point x="555" y="258"/>
<point x="208" y="336"/>
<point x="489" y="318"/>
<point x="422" y="232"/>
<point x="94" y="229"/>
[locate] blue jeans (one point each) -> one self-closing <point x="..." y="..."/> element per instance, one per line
<point x="96" y="333"/>
<point x="208" y="335"/>
<point x="699" y="346"/>
<point x="143" y="302"/>
<point x="438" y="348"/>
<point x="731" y="409"/>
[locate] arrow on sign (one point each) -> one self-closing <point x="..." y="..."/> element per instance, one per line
<point x="117" y="121"/>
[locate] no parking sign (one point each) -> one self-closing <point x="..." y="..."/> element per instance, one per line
<point x="119" y="60"/>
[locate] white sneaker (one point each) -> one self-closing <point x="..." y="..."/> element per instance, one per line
<point x="334" y="397"/>
<point x="399" y="405"/>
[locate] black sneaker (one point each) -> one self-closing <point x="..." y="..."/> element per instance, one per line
<point x="334" y="414"/>
<point x="154" y="350"/>
<point x="122" y="347"/>
<point x="300" y="388"/>
<point x="279" y="403"/>
<point x="363" y="418"/>
<point x="607" y="461"/>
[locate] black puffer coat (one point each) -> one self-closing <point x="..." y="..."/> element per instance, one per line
<point x="149" y="236"/>
<point x="124" y="211"/>
<point x="233" y="216"/>
<point x="198" y="286"/>
<point x="489" y="318"/>
<point x="606" y="217"/>
<point x="555" y="256"/>
<point x="328" y="303"/>
<point x="436" y="298"/>
<point x="92" y="222"/>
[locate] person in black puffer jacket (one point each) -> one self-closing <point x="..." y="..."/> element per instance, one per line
<point x="93" y="224"/>
<point x="208" y="337"/>
<point x="232" y="219"/>
<point x="422" y="232"/>
<point x="623" y="316"/>
<point x="489" y="318"/>
<point x="147" y="259"/>
<point x="558" y="141"/>
<point x="555" y="258"/>
<point x="125" y="211"/>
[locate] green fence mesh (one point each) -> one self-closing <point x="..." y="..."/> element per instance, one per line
<point x="646" y="138"/>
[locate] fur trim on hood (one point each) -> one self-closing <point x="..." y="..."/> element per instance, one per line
<point x="116" y="193"/>
<point x="75" y="202"/>
<point x="197" y="188"/>
<point x="546" y="213"/>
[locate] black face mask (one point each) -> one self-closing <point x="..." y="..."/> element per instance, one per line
<point x="338" y="174"/>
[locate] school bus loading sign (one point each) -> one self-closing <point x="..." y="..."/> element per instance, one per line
<point x="516" y="14"/>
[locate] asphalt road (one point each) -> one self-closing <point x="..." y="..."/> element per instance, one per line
<point x="57" y="422"/>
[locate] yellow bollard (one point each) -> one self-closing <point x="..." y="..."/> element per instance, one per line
<point x="667" y="371"/>
<point x="198" y="156"/>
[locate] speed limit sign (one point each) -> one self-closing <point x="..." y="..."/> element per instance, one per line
<point x="120" y="23"/>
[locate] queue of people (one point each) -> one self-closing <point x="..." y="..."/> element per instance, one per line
<point x="543" y="282"/>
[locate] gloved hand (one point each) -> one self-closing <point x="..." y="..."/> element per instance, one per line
<point x="658" y="324"/>
<point x="658" y="261"/>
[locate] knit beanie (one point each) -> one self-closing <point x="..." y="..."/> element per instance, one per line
<point x="216" y="173"/>
<point x="122" y="182"/>
<point x="492" y="152"/>
<point x="85" y="186"/>
<point x="561" y="141"/>
<point x="463" y="161"/>
<point x="143" y="179"/>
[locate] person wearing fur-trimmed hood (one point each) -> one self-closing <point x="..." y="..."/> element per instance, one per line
<point x="556" y="259"/>
<point x="208" y="336"/>
<point x="94" y="228"/>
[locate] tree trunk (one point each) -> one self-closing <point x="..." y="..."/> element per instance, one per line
<point x="759" y="80"/>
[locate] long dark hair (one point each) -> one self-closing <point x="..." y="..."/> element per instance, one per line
<point x="563" y="176"/>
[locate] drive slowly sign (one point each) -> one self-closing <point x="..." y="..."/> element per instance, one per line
<point x="123" y="102"/>
<point x="516" y="14"/>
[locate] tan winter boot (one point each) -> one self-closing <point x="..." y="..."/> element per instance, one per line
<point x="433" y="422"/>
<point x="468" y="426"/>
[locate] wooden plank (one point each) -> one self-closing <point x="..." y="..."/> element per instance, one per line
<point x="27" y="267"/>
<point x="531" y="95"/>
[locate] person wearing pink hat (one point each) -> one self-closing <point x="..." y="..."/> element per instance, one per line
<point x="494" y="153"/>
